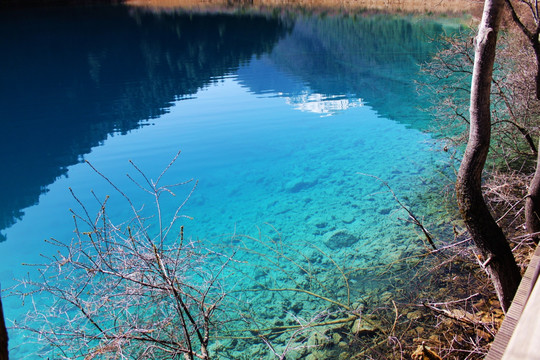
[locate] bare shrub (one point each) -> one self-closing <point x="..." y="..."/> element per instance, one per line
<point x="132" y="290"/>
<point x="514" y="111"/>
<point x="139" y="289"/>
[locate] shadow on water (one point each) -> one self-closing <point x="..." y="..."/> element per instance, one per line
<point x="74" y="76"/>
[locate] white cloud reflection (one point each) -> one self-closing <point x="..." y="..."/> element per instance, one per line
<point x="323" y="104"/>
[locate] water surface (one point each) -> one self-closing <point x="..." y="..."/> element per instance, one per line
<point x="278" y="117"/>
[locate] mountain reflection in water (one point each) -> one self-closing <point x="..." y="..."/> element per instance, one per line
<point x="74" y="76"/>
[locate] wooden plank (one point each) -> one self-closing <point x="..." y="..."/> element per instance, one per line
<point x="521" y="320"/>
<point x="523" y="343"/>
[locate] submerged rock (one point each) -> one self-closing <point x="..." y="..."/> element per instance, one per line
<point x="347" y="218"/>
<point x="299" y="184"/>
<point x="317" y="339"/>
<point x="339" y="239"/>
<point x="297" y="307"/>
<point x="415" y="315"/>
<point x="363" y="328"/>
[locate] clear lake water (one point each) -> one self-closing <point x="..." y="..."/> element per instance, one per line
<point x="283" y="119"/>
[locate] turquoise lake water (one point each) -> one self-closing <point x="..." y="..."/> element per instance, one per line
<point x="279" y="118"/>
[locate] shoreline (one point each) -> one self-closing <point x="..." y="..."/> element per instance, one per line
<point x="450" y="7"/>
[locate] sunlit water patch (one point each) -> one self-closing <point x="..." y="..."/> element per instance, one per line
<point x="289" y="136"/>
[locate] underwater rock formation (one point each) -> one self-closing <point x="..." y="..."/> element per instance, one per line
<point x="339" y="239"/>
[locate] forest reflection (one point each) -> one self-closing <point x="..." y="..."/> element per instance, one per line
<point x="75" y="76"/>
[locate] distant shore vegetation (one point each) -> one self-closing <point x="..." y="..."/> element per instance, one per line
<point x="405" y="6"/>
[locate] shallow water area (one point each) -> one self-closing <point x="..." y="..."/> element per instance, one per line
<point x="289" y="125"/>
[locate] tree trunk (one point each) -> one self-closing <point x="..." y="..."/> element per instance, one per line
<point x="499" y="261"/>
<point x="532" y="202"/>
<point x="532" y="205"/>
<point x="535" y="42"/>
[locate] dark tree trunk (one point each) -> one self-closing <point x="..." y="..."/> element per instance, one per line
<point x="532" y="202"/>
<point x="499" y="261"/>
<point x="536" y="46"/>
<point x="532" y="205"/>
<point x="3" y="335"/>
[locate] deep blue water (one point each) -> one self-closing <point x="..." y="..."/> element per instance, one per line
<point x="277" y="117"/>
